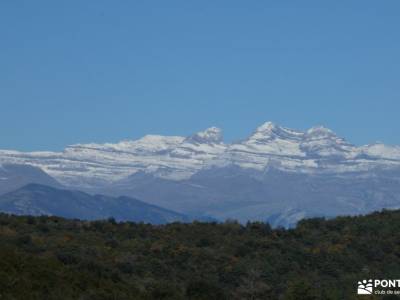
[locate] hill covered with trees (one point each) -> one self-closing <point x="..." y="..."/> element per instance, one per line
<point x="54" y="258"/>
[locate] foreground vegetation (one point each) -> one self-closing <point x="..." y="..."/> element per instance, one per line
<point x="53" y="258"/>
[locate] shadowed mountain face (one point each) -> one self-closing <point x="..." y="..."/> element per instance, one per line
<point x="35" y="199"/>
<point x="14" y="176"/>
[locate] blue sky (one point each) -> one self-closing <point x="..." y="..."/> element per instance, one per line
<point x="96" y="71"/>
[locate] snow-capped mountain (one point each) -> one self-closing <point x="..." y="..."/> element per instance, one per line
<point x="276" y="174"/>
<point x="317" y="150"/>
<point x="88" y="165"/>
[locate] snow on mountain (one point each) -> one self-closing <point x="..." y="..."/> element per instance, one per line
<point x="381" y="151"/>
<point x="268" y="145"/>
<point x="317" y="150"/>
<point x="275" y="140"/>
<point x="173" y="157"/>
<point x="323" y="142"/>
<point x="212" y="135"/>
<point x="86" y="165"/>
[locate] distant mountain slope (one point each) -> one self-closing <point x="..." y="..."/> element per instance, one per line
<point x="13" y="176"/>
<point x="35" y="199"/>
<point x="278" y="197"/>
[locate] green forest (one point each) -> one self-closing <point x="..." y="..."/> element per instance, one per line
<point x="55" y="258"/>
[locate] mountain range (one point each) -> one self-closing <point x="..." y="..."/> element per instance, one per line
<point x="276" y="174"/>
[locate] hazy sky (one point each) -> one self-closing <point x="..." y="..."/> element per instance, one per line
<point x="97" y="71"/>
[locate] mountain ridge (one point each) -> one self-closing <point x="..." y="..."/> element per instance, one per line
<point x="36" y="199"/>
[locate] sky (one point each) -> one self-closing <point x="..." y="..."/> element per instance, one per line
<point x="104" y="71"/>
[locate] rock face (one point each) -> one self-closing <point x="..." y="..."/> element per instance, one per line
<point x="276" y="172"/>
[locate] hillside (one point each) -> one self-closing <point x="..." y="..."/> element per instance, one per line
<point x="13" y="176"/>
<point x="35" y="199"/>
<point x="54" y="258"/>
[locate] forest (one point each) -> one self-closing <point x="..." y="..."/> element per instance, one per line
<point x="49" y="257"/>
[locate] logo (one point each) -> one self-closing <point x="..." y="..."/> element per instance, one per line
<point x="365" y="287"/>
<point x="379" y="287"/>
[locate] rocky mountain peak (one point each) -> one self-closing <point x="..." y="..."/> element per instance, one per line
<point x="212" y="135"/>
<point x="320" y="132"/>
<point x="270" y="130"/>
